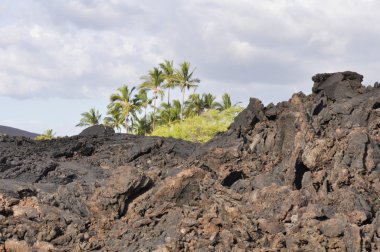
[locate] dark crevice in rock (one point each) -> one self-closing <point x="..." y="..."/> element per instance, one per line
<point x="301" y="169"/>
<point x="272" y="117"/>
<point x="368" y="221"/>
<point x="232" y="178"/>
<point x="271" y="112"/>
<point x="51" y="167"/>
<point x="318" y="108"/>
<point x="6" y="212"/>
<point x="329" y="186"/>
<point x="26" y="193"/>
<point x="376" y="105"/>
<point x="322" y="218"/>
<point x="133" y="196"/>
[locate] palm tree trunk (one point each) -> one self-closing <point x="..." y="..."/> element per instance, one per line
<point x="169" y="105"/>
<point x="154" y="111"/>
<point x="126" y="123"/>
<point x="169" y="96"/>
<point x="183" y="103"/>
<point x="145" y="120"/>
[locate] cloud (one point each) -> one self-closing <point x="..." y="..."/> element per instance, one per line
<point x="97" y="15"/>
<point x="63" y="57"/>
<point x="89" y="48"/>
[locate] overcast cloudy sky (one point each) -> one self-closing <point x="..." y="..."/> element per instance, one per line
<point x="59" y="58"/>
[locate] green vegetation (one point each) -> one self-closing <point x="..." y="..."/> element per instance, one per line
<point x="185" y="81"/>
<point x="199" y="128"/>
<point x="169" y="76"/>
<point x="123" y="108"/>
<point x="142" y="111"/>
<point x="89" y="118"/>
<point x="226" y="102"/>
<point x="153" y="82"/>
<point x="47" y="135"/>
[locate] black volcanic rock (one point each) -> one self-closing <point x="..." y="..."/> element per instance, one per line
<point x="337" y="86"/>
<point x="97" y="130"/>
<point x="302" y="175"/>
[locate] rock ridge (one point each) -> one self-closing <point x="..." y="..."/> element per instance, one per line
<point x="301" y="175"/>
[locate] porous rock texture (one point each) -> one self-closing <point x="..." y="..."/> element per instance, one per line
<point x="302" y="175"/>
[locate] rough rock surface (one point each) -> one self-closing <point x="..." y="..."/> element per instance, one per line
<point x="302" y="175"/>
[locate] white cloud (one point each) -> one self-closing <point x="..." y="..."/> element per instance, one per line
<point x="80" y="48"/>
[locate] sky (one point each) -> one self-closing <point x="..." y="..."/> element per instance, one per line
<point x="60" y="58"/>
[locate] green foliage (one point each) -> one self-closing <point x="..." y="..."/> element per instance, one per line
<point x="226" y="103"/>
<point x="47" y="135"/>
<point x="141" y="99"/>
<point x="153" y="82"/>
<point x="114" y="120"/>
<point x="169" y="112"/>
<point x="199" y="128"/>
<point x="184" y="77"/>
<point x="89" y="118"/>
<point x="208" y="101"/>
<point x="143" y="125"/>
<point x="122" y="108"/>
<point x="169" y="76"/>
<point x="193" y="106"/>
<point x="197" y="118"/>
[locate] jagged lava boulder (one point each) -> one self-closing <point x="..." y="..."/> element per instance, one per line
<point x="302" y="175"/>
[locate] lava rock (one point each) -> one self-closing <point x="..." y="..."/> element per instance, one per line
<point x="97" y="130"/>
<point x="302" y="175"/>
<point x="337" y="86"/>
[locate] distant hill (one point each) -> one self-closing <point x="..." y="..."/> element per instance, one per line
<point x="16" y="132"/>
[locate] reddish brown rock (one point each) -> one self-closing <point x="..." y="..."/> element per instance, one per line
<point x="302" y="175"/>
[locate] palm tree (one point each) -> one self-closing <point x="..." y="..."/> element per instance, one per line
<point x="142" y="100"/>
<point x="226" y="103"/>
<point x="89" y="118"/>
<point x="124" y="104"/>
<point x="153" y="82"/>
<point x="194" y="105"/>
<point x="184" y="77"/>
<point x="47" y="135"/>
<point x="115" y="120"/>
<point x="208" y="101"/>
<point x="170" y="113"/>
<point x="170" y="80"/>
<point x="144" y="125"/>
<point x="176" y="110"/>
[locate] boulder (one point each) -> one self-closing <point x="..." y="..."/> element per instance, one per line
<point x="337" y="86"/>
<point x="97" y="130"/>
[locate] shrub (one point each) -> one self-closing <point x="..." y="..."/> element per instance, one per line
<point x="199" y="128"/>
